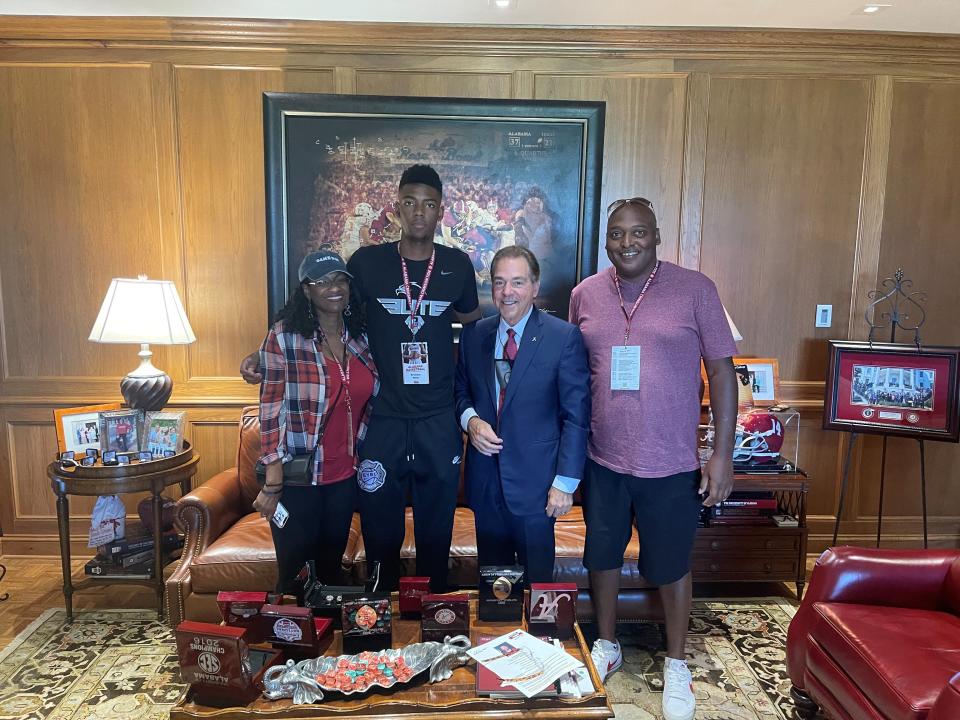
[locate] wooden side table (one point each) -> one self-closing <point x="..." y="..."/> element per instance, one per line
<point x="765" y="553"/>
<point x="151" y="477"/>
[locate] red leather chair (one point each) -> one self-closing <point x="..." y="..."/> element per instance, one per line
<point x="877" y="636"/>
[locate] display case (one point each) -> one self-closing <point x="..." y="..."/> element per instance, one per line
<point x="767" y="441"/>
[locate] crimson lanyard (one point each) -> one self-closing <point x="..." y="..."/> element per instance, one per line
<point x="629" y="316"/>
<point x="345" y="380"/>
<point x="414" y="306"/>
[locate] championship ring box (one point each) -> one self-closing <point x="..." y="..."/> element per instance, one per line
<point x="552" y="609"/>
<point x="367" y="623"/>
<point x="221" y="669"/>
<point x="295" y="630"/>
<point x="242" y="609"/>
<point x="501" y="593"/>
<point x="442" y="615"/>
<point x="412" y="590"/>
<point x="326" y="600"/>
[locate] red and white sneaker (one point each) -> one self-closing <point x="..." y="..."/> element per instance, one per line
<point x="678" y="700"/>
<point x="607" y="657"/>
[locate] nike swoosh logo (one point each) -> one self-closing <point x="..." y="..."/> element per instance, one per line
<point x="446" y="272"/>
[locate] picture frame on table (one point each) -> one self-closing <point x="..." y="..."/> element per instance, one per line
<point x="78" y="428"/>
<point x="163" y="433"/>
<point x="524" y="172"/>
<point x="892" y="389"/>
<point x="120" y="430"/>
<point x="764" y="376"/>
<point x="758" y="381"/>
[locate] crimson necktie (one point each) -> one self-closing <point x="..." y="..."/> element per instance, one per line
<point x="509" y="354"/>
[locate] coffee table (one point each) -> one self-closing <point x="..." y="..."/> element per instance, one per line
<point x="452" y="699"/>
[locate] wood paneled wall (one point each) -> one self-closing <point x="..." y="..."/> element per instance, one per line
<point x="794" y="168"/>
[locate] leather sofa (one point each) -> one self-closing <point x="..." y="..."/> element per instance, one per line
<point x="878" y="636"/>
<point x="228" y="547"/>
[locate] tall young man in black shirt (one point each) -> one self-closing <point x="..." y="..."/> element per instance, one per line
<point x="413" y="290"/>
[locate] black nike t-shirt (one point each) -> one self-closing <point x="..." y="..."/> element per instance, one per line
<point x="378" y="276"/>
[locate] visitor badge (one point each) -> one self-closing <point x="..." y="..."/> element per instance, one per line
<point x="280" y="516"/>
<point x="416" y="364"/>
<point x="625" y="367"/>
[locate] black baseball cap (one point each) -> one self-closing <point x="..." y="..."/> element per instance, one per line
<point x="319" y="264"/>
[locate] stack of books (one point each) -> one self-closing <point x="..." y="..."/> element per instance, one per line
<point x="745" y="508"/>
<point x="131" y="555"/>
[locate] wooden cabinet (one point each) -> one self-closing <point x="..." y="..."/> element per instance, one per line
<point x="732" y="553"/>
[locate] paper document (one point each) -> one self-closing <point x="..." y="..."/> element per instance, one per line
<point x="523" y="661"/>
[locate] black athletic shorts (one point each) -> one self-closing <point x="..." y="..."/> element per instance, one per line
<point x="665" y="509"/>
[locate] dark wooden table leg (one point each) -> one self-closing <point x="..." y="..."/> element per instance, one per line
<point x="63" y="525"/>
<point x="158" y="551"/>
<point x="3" y="573"/>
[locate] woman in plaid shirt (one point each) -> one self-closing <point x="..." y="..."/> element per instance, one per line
<point x="318" y="380"/>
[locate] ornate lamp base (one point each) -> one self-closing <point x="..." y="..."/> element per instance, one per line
<point x="146" y="388"/>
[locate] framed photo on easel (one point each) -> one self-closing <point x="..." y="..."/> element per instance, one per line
<point x="892" y="389"/>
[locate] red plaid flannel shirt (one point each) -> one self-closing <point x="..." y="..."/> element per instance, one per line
<point x="293" y="391"/>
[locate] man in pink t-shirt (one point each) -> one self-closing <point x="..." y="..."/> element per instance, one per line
<point x="646" y="325"/>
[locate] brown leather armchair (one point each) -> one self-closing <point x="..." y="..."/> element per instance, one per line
<point x="228" y="546"/>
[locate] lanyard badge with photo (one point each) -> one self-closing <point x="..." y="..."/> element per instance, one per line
<point x="625" y="359"/>
<point x="414" y="357"/>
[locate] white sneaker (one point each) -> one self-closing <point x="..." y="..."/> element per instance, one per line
<point x="678" y="700"/>
<point x="607" y="657"/>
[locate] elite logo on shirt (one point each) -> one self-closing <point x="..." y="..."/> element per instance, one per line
<point x="399" y="306"/>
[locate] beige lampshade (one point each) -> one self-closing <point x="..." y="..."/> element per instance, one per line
<point x="142" y="311"/>
<point x="737" y="337"/>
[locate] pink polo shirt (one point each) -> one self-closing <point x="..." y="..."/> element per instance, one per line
<point x="651" y="432"/>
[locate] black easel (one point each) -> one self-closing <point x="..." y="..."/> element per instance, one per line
<point x="896" y="316"/>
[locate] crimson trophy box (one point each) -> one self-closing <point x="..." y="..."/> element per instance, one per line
<point x="242" y="609"/>
<point x="412" y="590"/>
<point x="295" y="630"/>
<point x="552" y="609"/>
<point x="221" y="669"/>
<point x="443" y="615"/>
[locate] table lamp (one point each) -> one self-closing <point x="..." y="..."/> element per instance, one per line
<point x="143" y="311"/>
<point x="737" y="337"/>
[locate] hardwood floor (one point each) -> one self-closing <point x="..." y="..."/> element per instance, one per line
<point x="34" y="584"/>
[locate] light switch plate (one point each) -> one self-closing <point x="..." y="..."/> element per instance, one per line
<point x="824" y="316"/>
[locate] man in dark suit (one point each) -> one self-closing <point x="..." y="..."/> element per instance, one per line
<point x="523" y="397"/>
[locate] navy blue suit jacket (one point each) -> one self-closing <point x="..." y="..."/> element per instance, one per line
<point x="546" y="412"/>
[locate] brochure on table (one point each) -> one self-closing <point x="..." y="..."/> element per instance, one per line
<point x="523" y="661"/>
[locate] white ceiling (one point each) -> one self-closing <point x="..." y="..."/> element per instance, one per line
<point x="931" y="16"/>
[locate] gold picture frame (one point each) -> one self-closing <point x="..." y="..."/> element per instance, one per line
<point x="78" y="428"/>
<point x="765" y="374"/>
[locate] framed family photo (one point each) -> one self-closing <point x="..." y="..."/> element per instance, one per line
<point x="892" y="389"/>
<point x="163" y="433"/>
<point x="514" y="173"/>
<point x="78" y="428"/>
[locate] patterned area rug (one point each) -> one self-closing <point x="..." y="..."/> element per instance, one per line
<point x="106" y="665"/>
<point x="736" y="652"/>
<point x="121" y="665"/>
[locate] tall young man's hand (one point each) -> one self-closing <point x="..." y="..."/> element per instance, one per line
<point x="250" y="369"/>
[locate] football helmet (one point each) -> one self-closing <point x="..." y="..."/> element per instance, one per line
<point x="759" y="437"/>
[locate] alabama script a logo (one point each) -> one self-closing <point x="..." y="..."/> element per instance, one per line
<point x="549" y="606"/>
